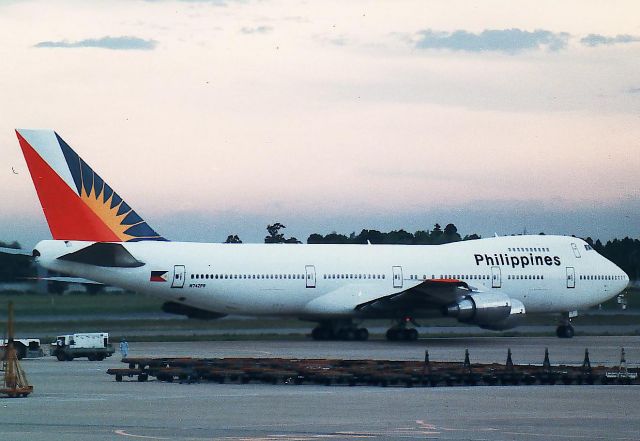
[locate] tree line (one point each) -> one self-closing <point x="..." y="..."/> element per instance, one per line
<point x="436" y="236"/>
<point x="623" y="252"/>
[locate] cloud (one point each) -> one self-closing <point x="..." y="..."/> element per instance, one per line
<point x="498" y="40"/>
<point x="593" y="40"/>
<point x="114" y="43"/>
<point x="257" y="30"/>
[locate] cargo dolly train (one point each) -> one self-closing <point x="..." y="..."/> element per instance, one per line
<point x="372" y="372"/>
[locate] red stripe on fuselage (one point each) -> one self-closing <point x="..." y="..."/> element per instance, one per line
<point x="69" y="218"/>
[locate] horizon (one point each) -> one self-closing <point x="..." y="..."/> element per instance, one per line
<point x="32" y="230"/>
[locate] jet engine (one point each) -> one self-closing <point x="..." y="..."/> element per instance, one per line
<point x="493" y="311"/>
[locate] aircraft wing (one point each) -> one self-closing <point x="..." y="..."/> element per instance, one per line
<point x="428" y="296"/>
<point x="19" y="252"/>
<point x="79" y="280"/>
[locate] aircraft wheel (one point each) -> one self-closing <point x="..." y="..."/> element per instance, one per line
<point x="362" y="334"/>
<point x="410" y="334"/>
<point x="346" y="334"/>
<point x="350" y="334"/>
<point x="393" y="334"/>
<point x="321" y="333"/>
<point x="565" y="331"/>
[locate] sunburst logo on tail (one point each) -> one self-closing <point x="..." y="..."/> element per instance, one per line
<point x="111" y="208"/>
<point x="108" y="214"/>
<point x="76" y="201"/>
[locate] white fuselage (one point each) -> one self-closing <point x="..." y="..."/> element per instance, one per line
<point x="545" y="273"/>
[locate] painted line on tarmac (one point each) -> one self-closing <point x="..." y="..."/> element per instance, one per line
<point x="554" y="435"/>
<point x="123" y="433"/>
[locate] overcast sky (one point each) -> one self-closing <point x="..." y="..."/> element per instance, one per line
<point x="218" y="117"/>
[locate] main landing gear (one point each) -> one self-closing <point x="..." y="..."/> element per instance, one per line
<point x="400" y="331"/>
<point x="564" y="329"/>
<point x="347" y="331"/>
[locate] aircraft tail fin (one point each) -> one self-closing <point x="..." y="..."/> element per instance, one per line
<point x="78" y="204"/>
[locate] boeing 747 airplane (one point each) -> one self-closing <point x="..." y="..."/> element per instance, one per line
<point x="491" y="283"/>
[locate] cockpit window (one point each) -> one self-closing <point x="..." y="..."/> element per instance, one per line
<point x="588" y="247"/>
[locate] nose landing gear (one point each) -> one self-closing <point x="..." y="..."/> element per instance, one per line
<point x="564" y="329"/>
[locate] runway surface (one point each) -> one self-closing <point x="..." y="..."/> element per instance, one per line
<point x="78" y="401"/>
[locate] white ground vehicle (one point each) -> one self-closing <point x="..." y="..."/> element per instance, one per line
<point x="25" y="347"/>
<point x="94" y="346"/>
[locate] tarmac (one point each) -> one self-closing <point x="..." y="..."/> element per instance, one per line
<point x="79" y="401"/>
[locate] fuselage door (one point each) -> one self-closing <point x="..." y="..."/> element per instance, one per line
<point x="310" y="271"/>
<point x="576" y="252"/>
<point x="178" y="276"/>
<point x="397" y="277"/>
<point x="496" y="277"/>
<point x="571" y="277"/>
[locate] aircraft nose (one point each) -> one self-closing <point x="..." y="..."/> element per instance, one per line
<point x="623" y="279"/>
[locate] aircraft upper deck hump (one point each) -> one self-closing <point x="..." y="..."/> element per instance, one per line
<point x="76" y="201"/>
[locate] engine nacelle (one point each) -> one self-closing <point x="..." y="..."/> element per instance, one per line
<point x="514" y="319"/>
<point x="481" y="308"/>
<point x="488" y="310"/>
